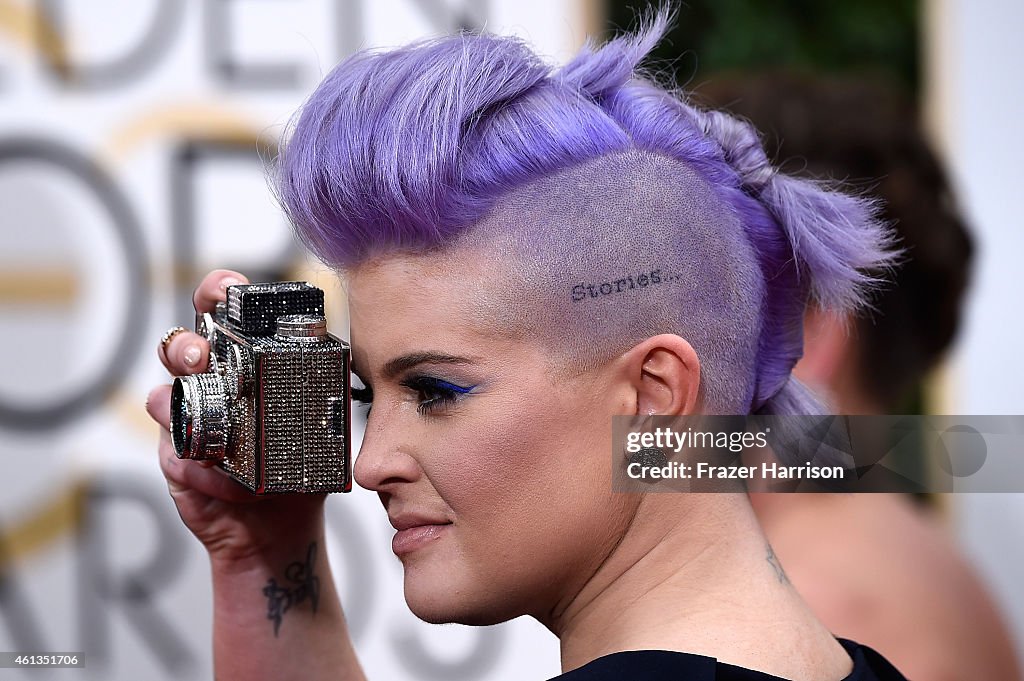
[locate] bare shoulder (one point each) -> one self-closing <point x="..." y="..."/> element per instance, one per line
<point x="878" y="570"/>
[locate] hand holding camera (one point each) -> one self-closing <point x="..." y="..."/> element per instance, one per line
<point x="234" y="524"/>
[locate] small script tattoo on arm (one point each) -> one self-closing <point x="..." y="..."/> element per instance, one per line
<point x="300" y="584"/>
<point x="773" y="560"/>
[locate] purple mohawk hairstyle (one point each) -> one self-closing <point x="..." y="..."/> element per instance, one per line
<point x="408" y="150"/>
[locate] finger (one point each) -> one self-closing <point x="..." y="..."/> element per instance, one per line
<point x="187" y="353"/>
<point x="183" y="474"/>
<point x="158" y="405"/>
<point x="213" y="289"/>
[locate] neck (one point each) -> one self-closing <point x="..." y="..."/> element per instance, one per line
<point x="694" y="573"/>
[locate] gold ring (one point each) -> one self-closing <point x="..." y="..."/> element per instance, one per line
<point x="169" y="334"/>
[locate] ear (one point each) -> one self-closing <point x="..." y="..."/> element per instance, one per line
<point x="664" y="373"/>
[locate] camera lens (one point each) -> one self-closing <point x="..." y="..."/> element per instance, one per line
<point x="181" y="420"/>
<point x="199" y="417"/>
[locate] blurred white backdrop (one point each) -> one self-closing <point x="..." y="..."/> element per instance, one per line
<point x="974" y="99"/>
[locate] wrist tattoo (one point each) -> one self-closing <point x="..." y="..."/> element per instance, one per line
<point x="300" y="584"/>
<point x="773" y="560"/>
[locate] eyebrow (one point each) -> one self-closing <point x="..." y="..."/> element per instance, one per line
<point x="403" y="363"/>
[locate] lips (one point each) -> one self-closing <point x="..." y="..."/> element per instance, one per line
<point x="407" y="521"/>
<point x="416" y="532"/>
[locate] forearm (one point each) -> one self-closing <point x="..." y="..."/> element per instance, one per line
<point x="277" y="616"/>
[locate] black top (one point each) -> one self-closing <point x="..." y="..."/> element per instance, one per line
<point x="664" y="665"/>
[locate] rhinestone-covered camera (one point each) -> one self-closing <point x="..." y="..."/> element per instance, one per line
<point x="273" y="409"/>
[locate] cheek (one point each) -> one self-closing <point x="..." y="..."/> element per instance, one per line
<point x="530" y="484"/>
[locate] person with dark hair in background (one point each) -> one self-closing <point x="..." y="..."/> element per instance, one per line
<point x="527" y="252"/>
<point x="863" y="574"/>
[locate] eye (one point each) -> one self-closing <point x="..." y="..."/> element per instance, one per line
<point x="434" y="393"/>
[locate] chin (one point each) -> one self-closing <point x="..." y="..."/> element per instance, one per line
<point x="445" y="601"/>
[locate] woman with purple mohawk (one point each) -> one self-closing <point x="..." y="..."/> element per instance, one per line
<point x="527" y="252"/>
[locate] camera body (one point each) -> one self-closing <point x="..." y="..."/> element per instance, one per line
<point x="273" y="408"/>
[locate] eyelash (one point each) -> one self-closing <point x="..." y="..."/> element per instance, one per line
<point x="363" y="396"/>
<point x="434" y="393"/>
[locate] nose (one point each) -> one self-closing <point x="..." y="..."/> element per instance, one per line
<point x="384" y="460"/>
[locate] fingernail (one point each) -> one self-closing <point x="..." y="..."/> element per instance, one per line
<point x="228" y="281"/>
<point x="192" y="354"/>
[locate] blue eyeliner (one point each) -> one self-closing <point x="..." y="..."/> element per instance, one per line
<point x="432" y="393"/>
<point x="449" y="386"/>
<point x="435" y="393"/>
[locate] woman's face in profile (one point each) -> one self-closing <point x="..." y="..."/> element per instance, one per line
<point x="491" y="462"/>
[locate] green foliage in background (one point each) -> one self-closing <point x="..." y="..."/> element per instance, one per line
<point x="878" y="36"/>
